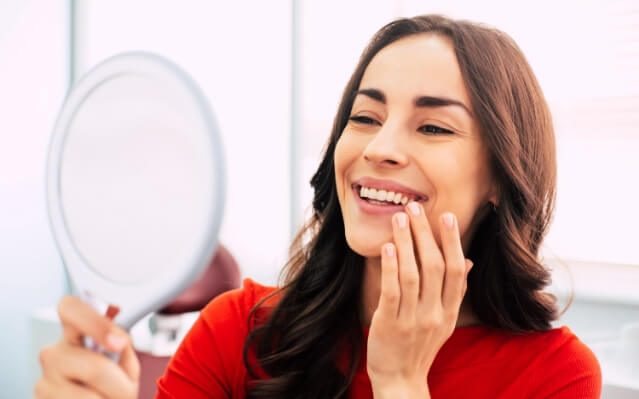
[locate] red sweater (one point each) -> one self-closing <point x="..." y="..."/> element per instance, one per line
<point x="478" y="362"/>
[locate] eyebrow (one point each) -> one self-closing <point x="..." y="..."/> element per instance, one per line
<point x="420" y="101"/>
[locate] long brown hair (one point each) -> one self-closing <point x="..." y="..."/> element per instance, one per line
<point x="317" y="316"/>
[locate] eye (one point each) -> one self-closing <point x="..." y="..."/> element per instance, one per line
<point x="434" y="130"/>
<point x="364" y="120"/>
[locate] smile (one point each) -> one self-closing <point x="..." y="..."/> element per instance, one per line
<point x="379" y="201"/>
<point x="383" y="196"/>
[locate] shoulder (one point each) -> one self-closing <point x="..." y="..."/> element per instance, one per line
<point x="222" y="327"/>
<point x="561" y="345"/>
<point x="498" y="363"/>
<point x="565" y="364"/>
<point x="210" y="359"/>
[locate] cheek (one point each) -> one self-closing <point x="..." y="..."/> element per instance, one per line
<point x="363" y="235"/>
<point x="345" y="155"/>
<point x="461" y="185"/>
<point x="339" y="165"/>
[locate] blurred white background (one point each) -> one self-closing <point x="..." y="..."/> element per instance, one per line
<point x="273" y="73"/>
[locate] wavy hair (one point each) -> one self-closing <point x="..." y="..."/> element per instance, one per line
<point x="316" y="318"/>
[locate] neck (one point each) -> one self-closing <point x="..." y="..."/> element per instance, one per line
<point x="371" y="290"/>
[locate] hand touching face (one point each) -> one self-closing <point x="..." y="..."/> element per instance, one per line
<point x="421" y="293"/>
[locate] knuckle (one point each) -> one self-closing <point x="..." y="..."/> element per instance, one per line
<point x="426" y="324"/>
<point x="405" y="330"/>
<point x="430" y="322"/>
<point x="457" y="272"/>
<point x="436" y="265"/>
<point x="390" y="296"/>
<point x="411" y="279"/>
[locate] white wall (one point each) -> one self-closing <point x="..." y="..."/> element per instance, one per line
<point x="33" y="81"/>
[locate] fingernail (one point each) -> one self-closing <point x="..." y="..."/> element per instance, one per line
<point x="413" y="208"/>
<point x="390" y="251"/>
<point x="448" y="220"/>
<point x="116" y="341"/>
<point x="401" y="219"/>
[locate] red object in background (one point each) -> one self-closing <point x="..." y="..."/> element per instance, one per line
<point x="221" y="275"/>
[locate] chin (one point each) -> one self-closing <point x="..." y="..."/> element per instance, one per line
<point x="367" y="243"/>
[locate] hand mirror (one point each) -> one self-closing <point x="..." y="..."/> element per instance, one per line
<point x="135" y="184"/>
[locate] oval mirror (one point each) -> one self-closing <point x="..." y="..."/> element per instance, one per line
<point x="135" y="184"/>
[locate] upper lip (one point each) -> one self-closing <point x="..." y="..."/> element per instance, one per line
<point x="388" y="185"/>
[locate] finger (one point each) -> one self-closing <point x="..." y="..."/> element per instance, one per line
<point x="97" y="372"/>
<point x="390" y="295"/>
<point x="407" y="265"/>
<point x="46" y="389"/>
<point x="79" y="319"/>
<point x="455" y="271"/>
<point x="469" y="265"/>
<point x="130" y="363"/>
<point x="430" y="257"/>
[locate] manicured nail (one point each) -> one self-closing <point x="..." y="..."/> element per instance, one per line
<point x="413" y="208"/>
<point x="448" y="220"/>
<point x="401" y="219"/>
<point x="116" y="341"/>
<point x="390" y="250"/>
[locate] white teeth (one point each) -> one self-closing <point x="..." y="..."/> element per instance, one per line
<point x="383" y="195"/>
<point x="389" y="196"/>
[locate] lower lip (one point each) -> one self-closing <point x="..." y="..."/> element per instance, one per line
<point x="374" y="209"/>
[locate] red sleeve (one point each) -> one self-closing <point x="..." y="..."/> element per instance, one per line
<point x="571" y="371"/>
<point x="208" y="362"/>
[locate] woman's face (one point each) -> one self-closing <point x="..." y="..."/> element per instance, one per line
<point x="411" y="136"/>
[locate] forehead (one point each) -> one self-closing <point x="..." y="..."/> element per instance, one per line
<point x="422" y="64"/>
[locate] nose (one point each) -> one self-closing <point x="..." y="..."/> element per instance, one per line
<point x="386" y="148"/>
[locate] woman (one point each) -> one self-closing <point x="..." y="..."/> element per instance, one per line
<point x="419" y="276"/>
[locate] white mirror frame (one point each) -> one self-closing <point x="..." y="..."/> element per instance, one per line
<point x="134" y="300"/>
